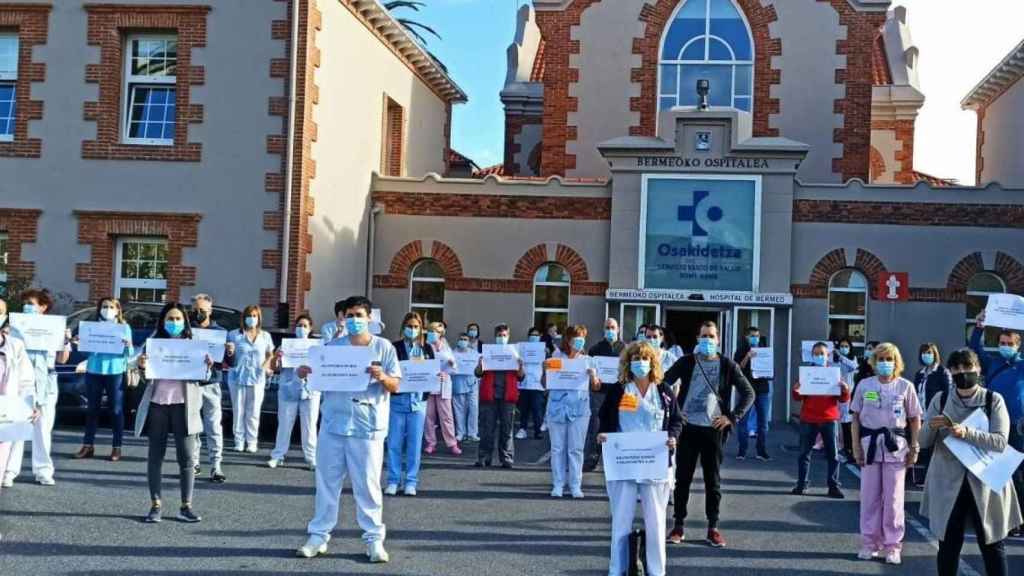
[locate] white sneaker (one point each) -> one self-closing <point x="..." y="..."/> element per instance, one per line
<point x="252" y="448"/>
<point x="867" y="554"/>
<point x="893" y="557"/>
<point x="556" y="493"/>
<point x="521" y="434"/>
<point x="544" y="427"/>
<point x="315" y="546"/>
<point x="239" y="447"/>
<point x="474" y="438"/>
<point x="7" y="482"/>
<point x="458" y="437"/>
<point x="274" y="462"/>
<point x="391" y="490"/>
<point x="578" y="495"/>
<point x="410" y="490"/>
<point x="376" y="553"/>
<point x="46" y="481"/>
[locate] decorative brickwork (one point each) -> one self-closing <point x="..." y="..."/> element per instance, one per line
<point x="656" y="16"/>
<point x="447" y="259"/>
<point x="979" y="156"/>
<point x="21" y="227"/>
<point x="1005" y="266"/>
<point x="903" y="130"/>
<point x="30" y="22"/>
<point x="821" y="273"/>
<point x="963" y="271"/>
<point x="100" y="230"/>
<point x="908" y="214"/>
<point x="1010" y="270"/>
<point x="394" y="139"/>
<point x="872" y="267"/>
<point x="108" y="24"/>
<point x="494" y="206"/>
<point x="877" y="165"/>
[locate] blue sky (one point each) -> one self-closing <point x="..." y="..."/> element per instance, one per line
<point x="475" y="34"/>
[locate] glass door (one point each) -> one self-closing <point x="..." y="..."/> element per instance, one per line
<point x="633" y="316"/>
<point x="764" y="320"/>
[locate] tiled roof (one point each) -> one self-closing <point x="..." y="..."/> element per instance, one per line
<point x="537" y="73"/>
<point x="880" y="63"/>
<point x="1004" y="75"/>
<point x="496" y="170"/>
<point x="934" y="180"/>
<point x="456" y="158"/>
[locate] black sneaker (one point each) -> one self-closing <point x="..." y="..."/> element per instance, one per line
<point x="506" y="465"/>
<point x="217" y="477"/>
<point x="764" y="457"/>
<point x="197" y="470"/>
<point x="835" y="493"/>
<point x="185" y="514"/>
<point x="154" y="516"/>
<point x="798" y="490"/>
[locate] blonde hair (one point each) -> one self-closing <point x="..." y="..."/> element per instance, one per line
<point x="888" y="349"/>
<point x="436" y="327"/>
<point x="646" y="352"/>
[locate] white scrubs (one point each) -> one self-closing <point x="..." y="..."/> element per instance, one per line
<point x="45" y="398"/>
<point x="295" y="399"/>
<point x="247" y="383"/>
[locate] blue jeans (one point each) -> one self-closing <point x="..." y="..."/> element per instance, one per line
<point x="760" y="409"/>
<point x="405" y="437"/>
<point x="808" y="434"/>
<point x="95" y="385"/>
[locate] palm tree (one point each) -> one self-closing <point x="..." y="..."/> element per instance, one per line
<point x="412" y="26"/>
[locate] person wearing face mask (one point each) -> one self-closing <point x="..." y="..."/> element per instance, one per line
<point x="708" y="380"/>
<point x="842" y="356"/>
<point x="295" y="399"/>
<point x="473" y="332"/>
<point x="44" y="395"/>
<point x="568" y="416"/>
<point x="249" y="351"/>
<point x="531" y="398"/>
<point x="953" y="496"/>
<point x="17" y="380"/>
<point x="171" y="407"/>
<point x="930" y="380"/>
<point x="351" y="442"/>
<point x="1004" y="373"/>
<point x="656" y="338"/>
<point x="552" y="338"/>
<point x="641" y="333"/>
<point x="886" y="421"/>
<point x="865" y="369"/>
<point x="642" y="402"/>
<point x="762" y="398"/>
<point x="818" y="415"/>
<point x="335" y="328"/>
<point x="202" y="317"/>
<point x="105" y="372"/>
<point x="610" y="345"/>
<point x="408" y="413"/>
<point x="439" y="405"/>
<point x="465" y="395"/>
<point x="499" y="392"/>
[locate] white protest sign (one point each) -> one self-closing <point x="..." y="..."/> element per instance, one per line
<point x="102" y="337"/>
<point x="339" y="368"/>
<point x="465" y="362"/>
<point x="607" y="368"/>
<point x="1005" y="311"/>
<point x="39" y="331"/>
<point x="567" y="374"/>
<point x="499" y="357"/>
<point x="819" y="381"/>
<point x="994" y="469"/>
<point x="295" y="351"/>
<point x="533" y="355"/>
<point x="635" y="456"/>
<point x="807" y="346"/>
<point x="176" y="359"/>
<point x="420" y="376"/>
<point x="15" y="412"/>
<point x="215" y="341"/>
<point x="762" y="364"/>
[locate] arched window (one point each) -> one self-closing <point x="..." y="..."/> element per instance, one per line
<point x="978" y="288"/>
<point x="707" y="39"/>
<point x="427" y="291"/>
<point x="551" y="296"/>
<point x="847" y="307"/>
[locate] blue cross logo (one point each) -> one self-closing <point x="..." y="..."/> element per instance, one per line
<point x="699" y="217"/>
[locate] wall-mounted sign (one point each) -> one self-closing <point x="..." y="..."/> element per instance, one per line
<point x="700" y="296"/>
<point x="703" y="141"/>
<point x="893" y="286"/>
<point x="700" y="232"/>
<point x="729" y="162"/>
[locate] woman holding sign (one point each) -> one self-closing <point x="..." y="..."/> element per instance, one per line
<point x="17" y="380"/>
<point x="169" y="407"/>
<point x="105" y="372"/>
<point x="642" y="403"/>
<point x="952" y="496"/>
<point x="569" y="410"/>
<point x="295" y="399"/>
<point x="886" y="420"/>
<point x="408" y="413"/>
<point x="439" y="404"/>
<point x="249" y="351"/>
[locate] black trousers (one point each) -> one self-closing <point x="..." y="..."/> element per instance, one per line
<point x="592" y="450"/>
<point x="704" y="444"/>
<point x="993" y="554"/>
<point x="162" y="422"/>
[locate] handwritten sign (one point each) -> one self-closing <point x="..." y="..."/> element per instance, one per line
<point x="819" y="381"/>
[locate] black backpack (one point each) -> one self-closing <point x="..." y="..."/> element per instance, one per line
<point x="637" y="553"/>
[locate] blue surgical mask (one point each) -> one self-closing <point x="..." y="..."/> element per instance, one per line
<point x="174" y="327"/>
<point x="30" y="309"/>
<point x="844" y="350"/>
<point x="410" y="332"/>
<point x="251" y="321"/>
<point x="610" y="335"/>
<point x="707" y="346"/>
<point x="656" y="342"/>
<point x="640" y="368"/>
<point x="578" y="343"/>
<point x="472" y="333"/>
<point x="753" y="341"/>
<point x="886" y="368"/>
<point x="1008" y="352"/>
<point x="301" y="332"/>
<point x="432" y="337"/>
<point x="641" y="337"/>
<point x="462" y="344"/>
<point x="819" y="360"/>
<point x="927" y="359"/>
<point x="356" y="325"/>
<point x="501" y="340"/>
<point x="533" y="338"/>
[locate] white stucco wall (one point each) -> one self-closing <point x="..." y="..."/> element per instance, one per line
<point x="1003" y="149"/>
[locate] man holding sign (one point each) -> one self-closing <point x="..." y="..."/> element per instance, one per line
<point x="351" y="442"/>
<point x="202" y="318"/>
<point x="500" y="370"/>
<point x="819" y="414"/>
<point x="606" y="359"/>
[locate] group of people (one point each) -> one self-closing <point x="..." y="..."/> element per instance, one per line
<point x="883" y="421"/>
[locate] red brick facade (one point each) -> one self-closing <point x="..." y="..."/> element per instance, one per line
<point x="99" y="230"/>
<point x="495" y="206"/>
<point x="1005" y="266"/>
<point x="108" y="25"/>
<point x="21" y="227"/>
<point x="513" y="128"/>
<point x="877" y="168"/>
<point x="904" y="133"/>
<point x="656" y="16"/>
<point x="909" y="214"/>
<point x="394" y="139"/>
<point x="979" y="156"/>
<point x="30" y="22"/>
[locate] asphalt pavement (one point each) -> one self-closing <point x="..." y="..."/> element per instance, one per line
<point x="465" y="521"/>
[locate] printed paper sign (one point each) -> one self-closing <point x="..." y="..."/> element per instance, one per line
<point x="420" y="376"/>
<point x="102" y="337"/>
<point x="762" y="364"/>
<point x="176" y="359"/>
<point x="295" y="351"/>
<point x="635" y="456"/>
<point x="15" y="412"/>
<point x="339" y="368"/>
<point x="994" y="469"/>
<point x="1005" y="311"/>
<point x="819" y="381"/>
<point x="607" y="368"/>
<point x="215" y="340"/>
<point x="41" y="332"/>
<point x="500" y="357"/>
<point x="566" y="374"/>
<point x="465" y="362"/>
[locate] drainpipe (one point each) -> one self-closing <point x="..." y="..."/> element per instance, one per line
<point x="371" y="232"/>
<point x="282" y="308"/>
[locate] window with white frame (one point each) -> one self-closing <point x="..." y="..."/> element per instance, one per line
<point x="847" y="307"/>
<point x="141" y="274"/>
<point x="710" y="40"/>
<point x="151" y="64"/>
<point x="3" y="263"/>
<point x="551" y="285"/>
<point x="8" y="85"/>
<point x="427" y="291"/>
<point x="978" y="288"/>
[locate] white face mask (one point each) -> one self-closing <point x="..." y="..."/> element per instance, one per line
<point x="108" y="314"/>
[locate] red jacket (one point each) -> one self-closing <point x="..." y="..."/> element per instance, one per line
<point x="511" y="386"/>
<point x="820" y="409"/>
